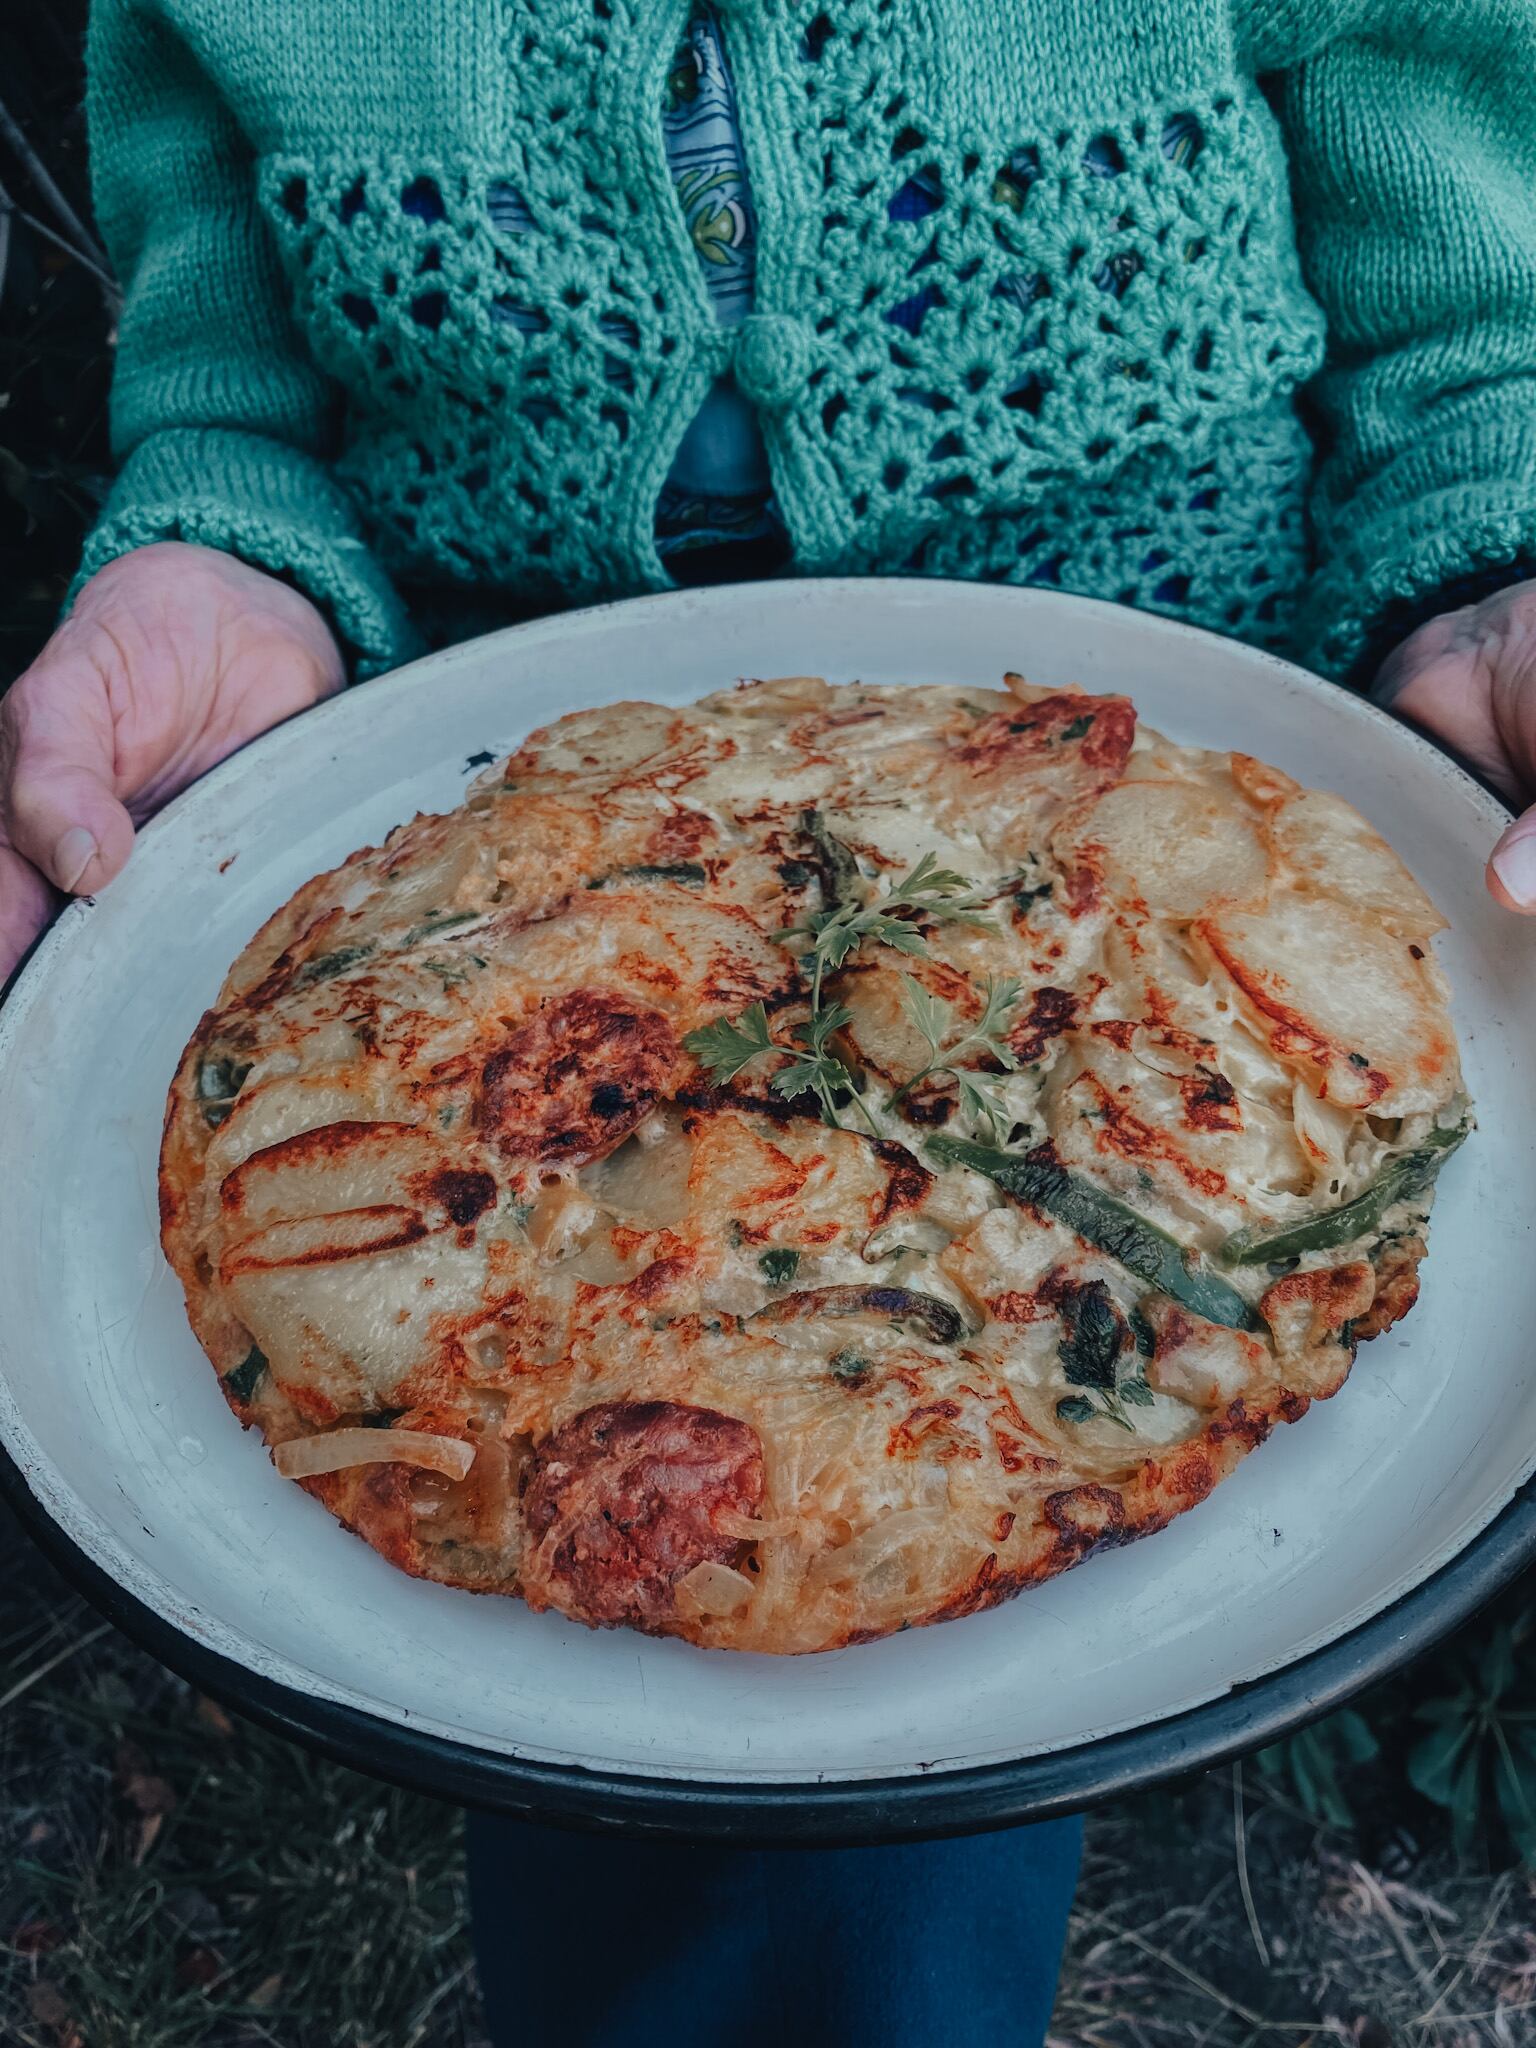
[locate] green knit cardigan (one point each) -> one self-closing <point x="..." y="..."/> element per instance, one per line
<point x="1271" y="375"/>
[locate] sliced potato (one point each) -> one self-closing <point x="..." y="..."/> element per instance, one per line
<point x="1173" y="846"/>
<point x="333" y="1167"/>
<point x="1357" y="1009"/>
<point x="1328" y="845"/>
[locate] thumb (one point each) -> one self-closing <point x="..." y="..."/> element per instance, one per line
<point x="1512" y="866"/>
<point x="26" y="904"/>
<point x="58" y="800"/>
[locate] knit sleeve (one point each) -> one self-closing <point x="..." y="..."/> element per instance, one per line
<point x="220" y="421"/>
<point x="1413" y="150"/>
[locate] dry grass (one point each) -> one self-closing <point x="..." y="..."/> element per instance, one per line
<point x="170" y="1875"/>
<point x="1400" y="1949"/>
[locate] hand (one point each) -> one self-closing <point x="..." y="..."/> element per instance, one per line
<point x="1469" y="678"/>
<point x="172" y="657"/>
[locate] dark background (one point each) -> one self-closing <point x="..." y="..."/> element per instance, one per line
<point x="56" y="320"/>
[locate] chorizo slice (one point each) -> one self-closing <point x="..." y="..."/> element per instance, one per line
<point x="626" y="1498"/>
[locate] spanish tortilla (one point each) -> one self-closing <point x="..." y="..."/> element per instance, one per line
<point x="815" y="1162"/>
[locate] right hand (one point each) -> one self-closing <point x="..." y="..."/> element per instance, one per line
<point x="172" y="657"/>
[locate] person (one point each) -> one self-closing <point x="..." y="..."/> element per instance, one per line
<point x="440" y="317"/>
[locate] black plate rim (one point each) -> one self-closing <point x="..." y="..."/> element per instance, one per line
<point x="847" y="1812"/>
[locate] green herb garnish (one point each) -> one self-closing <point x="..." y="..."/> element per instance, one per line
<point x="686" y="871"/>
<point x="452" y="972"/>
<point x="219" y="1081"/>
<point x="935" y="1019"/>
<point x="779" y="1266"/>
<point x="243" y="1380"/>
<point x="1409" y="1175"/>
<point x="1091" y="1337"/>
<point x="841" y="881"/>
<point x="724" y="1048"/>
<point x="938" y="1318"/>
<point x="669" y="871"/>
<point x="437" y="921"/>
<point x="848" y="1366"/>
<point x="1039" y="1179"/>
<point x="325" y="966"/>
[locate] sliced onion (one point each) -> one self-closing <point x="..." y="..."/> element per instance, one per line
<point x="746" y="1530"/>
<point x="338" y="1450"/>
<point x="712" y="1588"/>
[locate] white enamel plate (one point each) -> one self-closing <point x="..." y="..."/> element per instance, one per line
<point x="1337" y="1549"/>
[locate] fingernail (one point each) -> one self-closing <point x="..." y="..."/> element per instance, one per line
<point x="1514" y="862"/>
<point x="77" y="849"/>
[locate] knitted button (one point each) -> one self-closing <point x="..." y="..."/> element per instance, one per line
<point x="770" y="359"/>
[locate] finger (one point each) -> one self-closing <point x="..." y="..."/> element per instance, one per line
<point x="1409" y="658"/>
<point x="1512" y="866"/>
<point x="57" y="800"/>
<point x="26" y="904"/>
<point x="1444" y="700"/>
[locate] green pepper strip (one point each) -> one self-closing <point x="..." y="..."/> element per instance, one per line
<point x="841" y="881"/>
<point x="242" y="1382"/>
<point x="1039" y="1179"/>
<point x="1326" y="1232"/>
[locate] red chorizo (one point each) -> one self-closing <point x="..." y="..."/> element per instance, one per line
<point x="575" y="1080"/>
<point x="625" y="1498"/>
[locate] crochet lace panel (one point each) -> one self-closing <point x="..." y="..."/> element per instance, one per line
<point x="963" y="336"/>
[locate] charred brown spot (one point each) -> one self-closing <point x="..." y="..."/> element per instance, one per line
<point x="575" y="1080"/>
<point x="464" y="1193"/>
<point x="1014" y="1307"/>
<point x="1051" y="1011"/>
<point x="1119" y="1031"/>
<point x="1174" y="1330"/>
<point x="1099" y="729"/>
<point x="1080" y="889"/>
<point x="1397" y="1287"/>
<point x="625" y="1499"/>
<point x="660" y="1276"/>
<point x="680" y="837"/>
<point x="906" y="1183"/>
<point x="1118" y="1131"/>
<point x="1241" y="1425"/>
<point x="1210" y="1102"/>
<point x="926" y="1432"/>
<point x="1087" y="1518"/>
<point x="1323" y="1300"/>
<point x="931" y="1103"/>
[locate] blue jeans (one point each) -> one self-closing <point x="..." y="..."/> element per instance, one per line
<point x="590" y="1942"/>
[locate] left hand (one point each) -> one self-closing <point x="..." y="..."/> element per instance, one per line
<point x="1469" y="678"/>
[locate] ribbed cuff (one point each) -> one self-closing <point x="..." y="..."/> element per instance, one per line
<point x="1445" y="510"/>
<point x="272" y="506"/>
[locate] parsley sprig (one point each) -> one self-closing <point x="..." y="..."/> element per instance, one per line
<point x="986" y="1037"/>
<point x="1083" y="1407"/>
<point x="938" y="895"/>
<point x="729" y="1045"/>
<point x="928" y="894"/>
